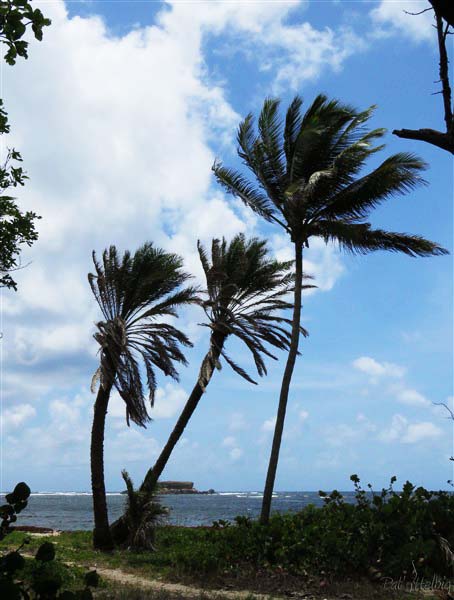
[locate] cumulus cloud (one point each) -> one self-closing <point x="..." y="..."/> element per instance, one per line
<point x="237" y="422"/>
<point x="365" y="422"/>
<point x="391" y="18"/>
<point x="229" y="441"/>
<point x="409" y="433"/>
<point x="269" y="424"/>
<point x="341" y="434"/>
<point x="292" y="52"/>
<point x="303" y="415"/>
<point x="169" y="400"/>
<point x="321" y="261"/>
<point x="121" y="159"/>
<point x="411" y="397"/>
<point x="377" y="369"/>
<point x="17" y="415"/>
<point x="235" y="454"/>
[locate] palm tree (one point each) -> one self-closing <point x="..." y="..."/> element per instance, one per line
<point x="245" y="290"/>
<point x="308" y="181"/>
<point x="134" y="293"/>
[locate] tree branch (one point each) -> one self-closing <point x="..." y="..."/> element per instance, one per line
<point x="444" y="73"/>
<point x="451" y="413"/>
<point x="442" y="140"/>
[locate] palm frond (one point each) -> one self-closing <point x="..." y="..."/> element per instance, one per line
<point x="360" y="238"/>
<point x="237" y="185"/>
<point x="133" y="292"/>
<point x="399" y="174"/>
<point x="245" y="290"/>
<point x="325" y="151"/>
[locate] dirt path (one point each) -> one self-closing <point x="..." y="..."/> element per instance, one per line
<point x="137" y="581"/>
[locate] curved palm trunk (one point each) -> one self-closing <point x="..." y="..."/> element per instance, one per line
<point x="206" y="372"/>
<point x="120" y="529"/>
<point x="102" y="539"/>
<point x="283" y="398"/>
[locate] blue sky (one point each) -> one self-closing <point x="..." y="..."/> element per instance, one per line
<point x="119" y="114"/>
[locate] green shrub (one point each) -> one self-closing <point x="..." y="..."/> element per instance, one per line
<point x="385" y="534"/>
<point x="42" y="577"/>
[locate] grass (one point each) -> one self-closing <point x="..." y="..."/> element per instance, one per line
<point x="74" y="548"/>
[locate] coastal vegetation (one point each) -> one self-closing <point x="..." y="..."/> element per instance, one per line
<point x="363" y="545"/>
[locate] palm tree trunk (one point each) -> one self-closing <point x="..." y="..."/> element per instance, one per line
<point x="102" y="539"/>
<point x="283" y="398"/>
<point x="120" y="529"/>
<point x="206" y="372"/>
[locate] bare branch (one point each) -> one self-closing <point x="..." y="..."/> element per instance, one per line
<point x="431" y="136"/>
<point x="421" y="12"/>
<point x="443" y="140"/>
<point x="444" y="73"/>
<point x="450" y="411"/>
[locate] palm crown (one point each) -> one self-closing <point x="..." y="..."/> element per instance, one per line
<point x="133" y="293"/>
<point x="245" y="292"/>
<point x="307" y="176"/>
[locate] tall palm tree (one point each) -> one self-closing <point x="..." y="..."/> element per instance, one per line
<point x="134" y="293"/>
<point x="245" y="291"/>
<point x="308" y="181"/>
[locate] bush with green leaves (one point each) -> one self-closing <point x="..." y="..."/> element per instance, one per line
<point x="17" y="228"/>
<point x="15" y="17"/>
<point x="381" y="534"/>
<point x="39" y="578"/>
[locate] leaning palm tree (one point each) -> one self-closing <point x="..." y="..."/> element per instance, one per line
<point x="308" y="181"/>
<point x="245" y="292"/>
<point x="134" y="293"/>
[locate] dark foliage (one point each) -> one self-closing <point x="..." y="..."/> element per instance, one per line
<point x="17" y="228"/>
<point x="133" y="293"/>
<point x="142" y="515"/>
<point x="15" y="17"/>
<point x="308" y="177"/>
<point x="41" y="578"/>
<point x="245" y="292"/>
<point x="386" y="534"/>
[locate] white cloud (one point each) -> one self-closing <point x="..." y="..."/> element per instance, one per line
<point x="17" y="415"/>
<point x="341" y="434"/>
<point x="303" y="415"/>
<point x="376" y="369"/>
<point x="365" y="422"/>
<point x="235" y="453"/>
<point x="237" y="422"/>
<point x="417" y="432"/>
<point x="390" y="18"/>
<point x="292" y="52"/>
<point x="130" y="158"/>
<point x="395" y="431"/>
<point x="409" y="433"/>
<point x="229" y="441"/>
<point x="269" y="424"/>
<point x="169" y="400"/>
<point x="411" y="397"/>
<point x="321" y="261"/>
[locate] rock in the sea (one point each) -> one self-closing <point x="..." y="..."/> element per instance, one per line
<point x="179" y="487"/>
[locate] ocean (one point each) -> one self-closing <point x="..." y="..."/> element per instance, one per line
<point x="73" y="511"/>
